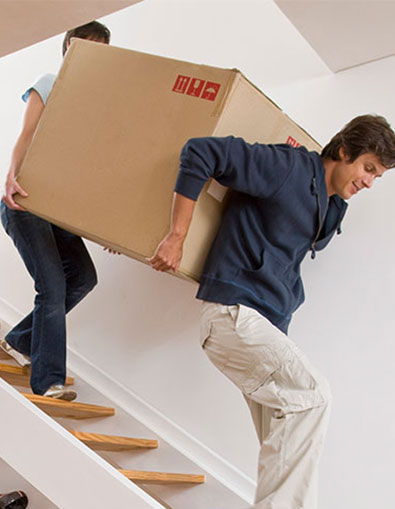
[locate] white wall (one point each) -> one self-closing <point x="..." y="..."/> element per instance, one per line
<point x="348" y="321"/>
<point x="141" y="327"/>
<point x="12" y="481"/>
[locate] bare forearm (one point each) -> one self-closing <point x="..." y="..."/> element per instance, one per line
<point x="33" y="113"/>
<point x="18" y="154"/>
<point x="12" y="187"/>
<point x="169" y="252"/>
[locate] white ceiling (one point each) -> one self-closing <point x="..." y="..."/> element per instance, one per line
<point x="345" y="33"/>
<point x="25" y="22"/>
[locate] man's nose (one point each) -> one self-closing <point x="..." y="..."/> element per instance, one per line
<point x="368" y="180"/>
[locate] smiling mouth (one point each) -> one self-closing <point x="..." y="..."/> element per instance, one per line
<point x="356" y="188"/>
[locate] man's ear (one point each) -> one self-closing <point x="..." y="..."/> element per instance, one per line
<point x="343" y="154"/>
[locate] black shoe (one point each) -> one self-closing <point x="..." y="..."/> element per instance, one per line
<point x="13" y="500"/>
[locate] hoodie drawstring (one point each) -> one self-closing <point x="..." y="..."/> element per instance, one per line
<point x="314" y="191"/>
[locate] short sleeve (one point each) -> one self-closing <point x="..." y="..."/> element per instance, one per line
<point x="42" y="86"/>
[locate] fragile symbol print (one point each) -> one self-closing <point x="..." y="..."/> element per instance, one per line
<point x="196" y="87"/>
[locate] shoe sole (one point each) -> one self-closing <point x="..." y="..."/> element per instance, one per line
<point x="66" y="396"/>
<point x="21" y="359"/>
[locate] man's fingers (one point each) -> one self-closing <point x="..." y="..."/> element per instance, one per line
<point x="160" y="264"/>
<point x="8" y="199"/>
<point x="167" y="256"/>
<point x="11" y="190"/>
<point x="111" y="251"/>
<point x="21" y="191"/>
<point x="18" y="207"/>
<point x="15" y="188"/>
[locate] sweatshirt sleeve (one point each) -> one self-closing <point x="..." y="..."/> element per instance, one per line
<point x="258" y="169"/>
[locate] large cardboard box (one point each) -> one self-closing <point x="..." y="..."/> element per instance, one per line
<point x="104" y="160"/>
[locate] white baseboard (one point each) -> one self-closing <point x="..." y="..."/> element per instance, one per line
<point x="8" y="314"/>
<point x="218" y="467"/>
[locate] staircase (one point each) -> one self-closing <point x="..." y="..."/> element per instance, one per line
<point x="86" y="456"/>
<point x="19" y="376"/>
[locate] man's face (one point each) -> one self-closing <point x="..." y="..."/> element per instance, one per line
<point x="348" y="178"/>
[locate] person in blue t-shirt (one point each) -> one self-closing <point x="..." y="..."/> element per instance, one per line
<point x="284" y="202"/>
<point x="57" y="260"/>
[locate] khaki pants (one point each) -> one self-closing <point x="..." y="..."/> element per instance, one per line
<point x="288" y="399"/>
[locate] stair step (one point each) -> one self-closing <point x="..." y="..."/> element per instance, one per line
<point x="4" y="356"/>
<point x="143" y="477"/>
<point x="100" y="442"/>
<point x="69" y="409"/>
<point x="16" y="375"/>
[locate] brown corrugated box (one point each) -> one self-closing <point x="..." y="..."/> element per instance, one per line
<point x="104" y="160"/>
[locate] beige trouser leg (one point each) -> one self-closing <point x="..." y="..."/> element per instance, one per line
<point x="288" y="399"/>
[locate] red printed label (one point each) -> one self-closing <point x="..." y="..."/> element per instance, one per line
<point x="181" y="84"/>
<point x="293" y="142"/>
<point x="210" y="91"/>
<point x="196" y="87"/>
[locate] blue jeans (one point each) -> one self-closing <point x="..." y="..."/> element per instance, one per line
<point x="63" y="274"/>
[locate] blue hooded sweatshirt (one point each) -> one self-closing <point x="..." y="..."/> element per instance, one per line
<point x="278" y="210"/>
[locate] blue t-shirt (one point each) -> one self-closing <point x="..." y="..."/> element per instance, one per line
<point x="42" y="86"/>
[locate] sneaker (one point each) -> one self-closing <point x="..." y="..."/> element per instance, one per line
<point x="21" y="359"/>
<point x="13" y="500"/>
<point x="60" y="392"/>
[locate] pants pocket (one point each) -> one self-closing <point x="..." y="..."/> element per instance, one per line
<point x="207" y="312"/>
<point x="204" y="333"/>
<point x="293" y="387"/>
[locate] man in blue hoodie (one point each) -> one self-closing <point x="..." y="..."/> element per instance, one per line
<point x="284" y="201"/>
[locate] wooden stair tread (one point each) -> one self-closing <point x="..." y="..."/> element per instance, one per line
<point x="20" y="376"/>
<point x="69" y="409"/>
<point x="144" y="477"/>
<point x="100" y="442"/>
<point x="4" y="356"/>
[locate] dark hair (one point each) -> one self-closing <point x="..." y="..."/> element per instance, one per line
<point x="366" y="133"/>
<point x="94" y="30"/>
